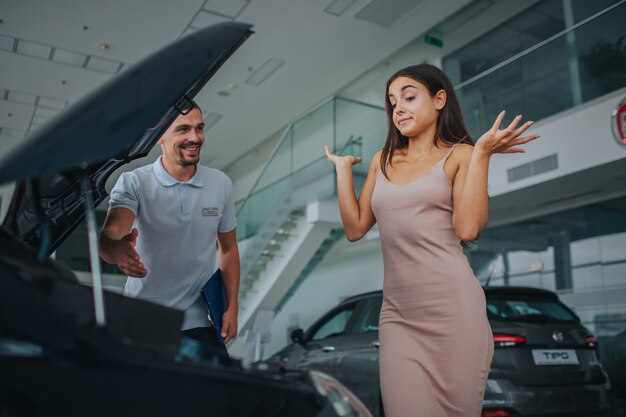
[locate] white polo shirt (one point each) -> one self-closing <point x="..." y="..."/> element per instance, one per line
<point x="178" y="224"/>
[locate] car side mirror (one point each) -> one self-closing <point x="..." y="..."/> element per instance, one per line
<point x="297" y="336"/>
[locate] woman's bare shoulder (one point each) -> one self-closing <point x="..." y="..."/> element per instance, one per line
<point x="462" y="152"/>
<point x="375" y="162"/>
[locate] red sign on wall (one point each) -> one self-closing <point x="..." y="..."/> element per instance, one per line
<point x="619" y="123"/>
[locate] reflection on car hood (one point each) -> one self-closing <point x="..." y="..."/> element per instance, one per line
<point x="119" y="122"/>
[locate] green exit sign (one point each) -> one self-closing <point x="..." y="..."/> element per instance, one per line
<point x="431" y="40"/>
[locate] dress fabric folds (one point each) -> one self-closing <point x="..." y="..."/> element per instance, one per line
<point x="436" y="343"/>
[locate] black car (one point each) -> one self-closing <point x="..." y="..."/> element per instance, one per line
<point x="71" y="350"/>
<point x="545" y="361"/>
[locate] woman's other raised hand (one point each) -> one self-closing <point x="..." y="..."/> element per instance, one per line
<point x="508" y="140"/>
<point x="337" y="160"/>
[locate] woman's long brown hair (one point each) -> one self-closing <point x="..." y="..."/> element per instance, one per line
<point x="450" y="125"/>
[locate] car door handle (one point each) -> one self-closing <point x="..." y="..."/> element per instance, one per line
<point x="328" y="348"/>
<point x="375" y="344"/>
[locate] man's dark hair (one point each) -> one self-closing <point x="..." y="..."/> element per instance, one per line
<point x="186" y="105"/>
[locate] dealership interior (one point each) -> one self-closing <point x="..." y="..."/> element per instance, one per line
<point x="314" y="74"/>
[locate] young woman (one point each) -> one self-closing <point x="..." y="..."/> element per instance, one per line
<point x="427" y="190"/>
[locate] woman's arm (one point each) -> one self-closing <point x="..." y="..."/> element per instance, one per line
<point x="356" y="215"/>
<point x="470" y="199"/>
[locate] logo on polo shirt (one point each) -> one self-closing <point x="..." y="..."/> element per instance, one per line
<point x="210" y="211"/>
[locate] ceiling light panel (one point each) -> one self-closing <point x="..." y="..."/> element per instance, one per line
<point x="33" y="49"/>
<point x="60" y="56"/>
<point x="23" y="98"/>
<point x="13" y="133"/>
<point x="338" y="7"/>
<point x="103" y="65"/>
<point x="263" y="72"/>
<point x="204" y="19"/>
<point x="43" y="112"/>
<point x="39" y="120"/>
<point x="387" y="12"/>
<point x="52" y="103"/>
<point x="229" y="8"/>
<point x="68" y="57"/>
<point x="462" y="16"/>
<point x="7" y="43"/>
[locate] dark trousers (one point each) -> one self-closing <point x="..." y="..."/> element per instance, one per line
<point x="205" y="335"/>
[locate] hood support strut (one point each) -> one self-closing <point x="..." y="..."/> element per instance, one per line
<point x="94" y="257"/>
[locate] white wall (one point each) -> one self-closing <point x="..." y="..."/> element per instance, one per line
<point x="245" y="171"/>
<point x="581" y="137"/>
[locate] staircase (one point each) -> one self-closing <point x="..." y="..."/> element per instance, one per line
<point x="290" y="219"/>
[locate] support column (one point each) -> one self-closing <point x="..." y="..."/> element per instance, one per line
<point x="570" y="39"/>
<point x="560" y="241"/>
<point x="505" y="275"/>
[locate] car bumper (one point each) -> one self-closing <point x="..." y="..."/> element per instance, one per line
<point x="503" y="394"/>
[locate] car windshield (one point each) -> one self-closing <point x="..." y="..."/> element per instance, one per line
<point x="527" y="309"/>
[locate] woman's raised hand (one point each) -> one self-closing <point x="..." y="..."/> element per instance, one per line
<point x="505" y="140"/>
<point x="337" y="160"/>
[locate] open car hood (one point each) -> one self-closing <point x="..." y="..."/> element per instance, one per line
<point x="116" y="124"/>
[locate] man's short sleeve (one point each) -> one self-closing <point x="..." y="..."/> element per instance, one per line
<point x="124" y="194"/>
<point x="228" y="220"/>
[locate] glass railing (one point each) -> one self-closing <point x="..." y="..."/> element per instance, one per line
<point x="346" y="126"/>
<point x="583" y="62"/>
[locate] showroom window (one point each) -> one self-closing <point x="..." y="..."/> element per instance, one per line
<point x="579" y="253"/>
<point x="568" y="71"/>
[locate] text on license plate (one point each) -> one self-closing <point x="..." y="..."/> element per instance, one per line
<point x="555" y="357"/>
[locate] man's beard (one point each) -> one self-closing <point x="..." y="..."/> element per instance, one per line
<point x="188" y="162"/>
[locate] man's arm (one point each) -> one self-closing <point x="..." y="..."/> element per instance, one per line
<point x="229" y="265"/>
<point x="117" y="242"/>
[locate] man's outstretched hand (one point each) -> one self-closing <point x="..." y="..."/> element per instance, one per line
<point x="126" y="257"/>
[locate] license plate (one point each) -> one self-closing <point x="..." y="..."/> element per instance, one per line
<point x="555" y="357"/>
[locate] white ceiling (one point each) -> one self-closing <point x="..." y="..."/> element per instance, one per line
<point x="322" y="53"/>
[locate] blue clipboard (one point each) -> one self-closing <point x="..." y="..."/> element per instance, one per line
<point x="215" y="298"/>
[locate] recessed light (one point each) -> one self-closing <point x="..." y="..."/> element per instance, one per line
<point x="103" y="46"/>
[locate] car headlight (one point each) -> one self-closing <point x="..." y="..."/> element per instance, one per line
<point x="343" y="401"/>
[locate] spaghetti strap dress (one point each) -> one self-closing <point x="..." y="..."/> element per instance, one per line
<point x="436" y="344"/>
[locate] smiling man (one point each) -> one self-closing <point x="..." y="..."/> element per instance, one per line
<point x="163" y="223"/>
